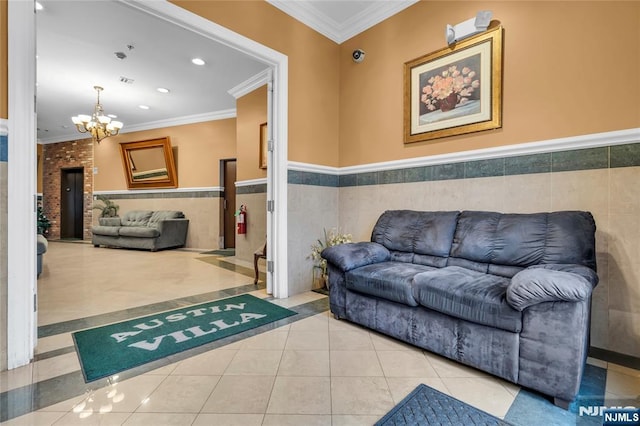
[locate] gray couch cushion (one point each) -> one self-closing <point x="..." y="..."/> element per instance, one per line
<point x="522" y="240"/>
<point x="136" y="218"/>
<point x="159" y="215"/>
<point x="537" y="285"/>
<point x="111" y="231"/>
<point x="425" y="233"/>
<point x="387" y="280"/>
<point x="469" y="295"/>
<point x="353" y="255"/>
<point x="139" y="231"/>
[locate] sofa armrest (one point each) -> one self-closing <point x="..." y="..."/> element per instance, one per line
<point x="353" y="255"/>
<point x="542" y="284"/>
<point x="109" y="221"/>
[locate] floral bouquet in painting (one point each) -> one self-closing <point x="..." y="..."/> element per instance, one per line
<point x="449" y="88"/>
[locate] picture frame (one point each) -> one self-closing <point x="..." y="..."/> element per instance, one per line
<point x="455" y="90"/>
<point x="263" y="146"/>
<point x="149" y="164"/>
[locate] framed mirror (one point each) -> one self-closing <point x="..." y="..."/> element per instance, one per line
<point x="149" y="164"/>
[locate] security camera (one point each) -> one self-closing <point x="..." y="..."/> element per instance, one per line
<point x="358" y="55"/>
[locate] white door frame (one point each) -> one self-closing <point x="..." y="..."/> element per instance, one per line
<point x="21" y="322"/>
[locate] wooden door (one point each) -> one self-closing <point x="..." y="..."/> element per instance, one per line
<point x="71" y="203"/>
<point x="229" y="203"/>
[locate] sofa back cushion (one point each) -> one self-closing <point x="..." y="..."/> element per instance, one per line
<point x="160" y="215"/>
<point x="136" y="218"/>
<point x="521" y="240"/>
<point x="411" y="235"/>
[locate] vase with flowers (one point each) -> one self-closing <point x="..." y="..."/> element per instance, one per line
<point x="331" y="238"/>
<point x="449" y="88"/>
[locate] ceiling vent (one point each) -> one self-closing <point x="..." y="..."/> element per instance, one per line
<point x="120" y="55"/>
<point x="126" y="80"/>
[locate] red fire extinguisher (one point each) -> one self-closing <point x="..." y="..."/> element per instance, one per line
<point x="242" y="220"/>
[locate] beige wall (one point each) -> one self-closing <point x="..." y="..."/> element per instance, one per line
<point x="314" y="71"/>
<point x="566" y="73"/>
<point x="251" y="112"/>
<point x="197" y="150"/>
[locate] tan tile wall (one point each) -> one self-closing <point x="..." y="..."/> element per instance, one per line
<point x="203" y="215"/>
<point x="612" y="196"/>
<point x="3" y="265"/>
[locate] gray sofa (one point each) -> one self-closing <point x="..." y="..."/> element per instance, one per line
<point x="509" y="294"/>
<point x="142" y="229"/>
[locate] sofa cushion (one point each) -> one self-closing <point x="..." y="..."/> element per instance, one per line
<point x="139" y="231"/>
<point x="160" y="215"/>
<point x="136" y="218"/>
<point x="522" y="240"/>
<point x="468" y="295"/>
<point x="111" y="231"/>
<point x="387" y="280"/>
<point x="425" y="233"/>
<point x="537" y="285"/>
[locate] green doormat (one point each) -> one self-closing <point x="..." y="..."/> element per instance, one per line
<point x="112" y="348"/>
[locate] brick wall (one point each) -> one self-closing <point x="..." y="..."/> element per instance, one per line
<point x="57" y="157"/>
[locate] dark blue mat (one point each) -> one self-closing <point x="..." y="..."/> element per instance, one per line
<point x="427" y="406"/>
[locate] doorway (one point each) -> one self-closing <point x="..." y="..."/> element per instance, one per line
<point x="228" y="168"/>
<point x="21" y="322"/>
<point x="71" y="203"/>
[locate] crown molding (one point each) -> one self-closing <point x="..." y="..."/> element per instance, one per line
<point x="175" y="121"/>
<point x="311" y="16"/>
<point x="251" y="84"/>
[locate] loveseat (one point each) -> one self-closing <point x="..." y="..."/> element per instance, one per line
<point x="142" y="229"/>
<point x="508" y="294"/>
<point x="41" y="248"/>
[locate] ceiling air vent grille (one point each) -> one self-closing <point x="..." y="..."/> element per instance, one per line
<point x="126" y="80"/>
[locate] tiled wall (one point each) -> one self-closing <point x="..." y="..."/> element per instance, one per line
<point x="254" y="198"/>
<point x="602" y="180"/>
<point x="312" y="208"/>
<point x="202" y="208"/>
<point x="3" y="248"/>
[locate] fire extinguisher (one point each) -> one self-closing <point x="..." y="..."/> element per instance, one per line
<point x="242" y="220"/>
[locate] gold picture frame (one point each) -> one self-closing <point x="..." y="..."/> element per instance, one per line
<point x="263" y="146"/>
<point x="455" y="90"/>
<point x="149" y="164"/>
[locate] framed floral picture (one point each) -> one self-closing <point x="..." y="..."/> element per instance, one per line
<point x="455" y="90"/>
<point x="263" y="146"/>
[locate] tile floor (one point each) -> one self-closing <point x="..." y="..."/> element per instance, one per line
<point x="314" y="370"/>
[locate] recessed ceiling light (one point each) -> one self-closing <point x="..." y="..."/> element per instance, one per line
<point x="198" y="61"/>
<point x="162" y="90"/>
<point x="112" y="115"/>
<point x="143" y="107"/>
<point x="39" y="6"/>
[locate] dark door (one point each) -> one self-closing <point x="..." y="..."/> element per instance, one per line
<point x="229" y="203"/>
<point x="71" y="203"/>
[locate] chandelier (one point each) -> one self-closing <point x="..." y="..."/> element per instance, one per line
<point x="99" y="125"/>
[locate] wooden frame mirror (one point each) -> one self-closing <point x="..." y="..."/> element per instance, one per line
<point x="149" y="164"/>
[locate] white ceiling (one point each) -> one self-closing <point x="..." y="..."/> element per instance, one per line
<point x="77" y="42"/>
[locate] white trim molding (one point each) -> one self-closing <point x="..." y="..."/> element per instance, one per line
<point x="595" y="140"/>
<point x="313" y="17"/>
<point x="251" y="84"/>
<point x="4" y="127"/>
<point x="251" y="182"/>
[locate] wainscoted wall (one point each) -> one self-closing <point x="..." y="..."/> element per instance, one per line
<point x="254" y="197"/>
<point x="201" y="206"/>
<point x="3" y="243"/>
<point x="602" y="179"/>
<point x="313" y="207"/>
